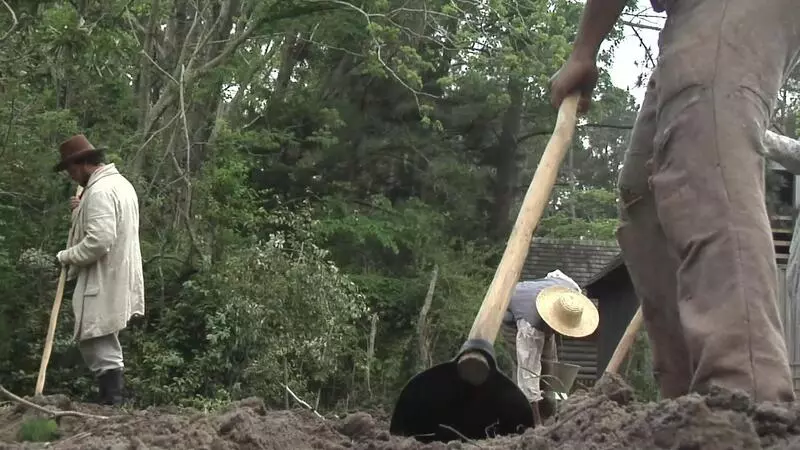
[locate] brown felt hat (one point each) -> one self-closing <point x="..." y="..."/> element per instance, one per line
<point x="73" y="149"/>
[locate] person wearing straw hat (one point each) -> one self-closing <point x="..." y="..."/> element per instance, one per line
<point x="103" y="257"/>
<point x="539" y="309"/>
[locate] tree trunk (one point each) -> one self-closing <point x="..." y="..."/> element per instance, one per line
<point x="505" y="162"/>
<point x="423" y="327"/>
<point x="373" y="331"/>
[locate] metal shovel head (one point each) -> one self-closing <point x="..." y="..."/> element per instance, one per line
<point x="437" y="401"/>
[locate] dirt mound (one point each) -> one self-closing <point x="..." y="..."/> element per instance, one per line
<point x="604" y="418"/>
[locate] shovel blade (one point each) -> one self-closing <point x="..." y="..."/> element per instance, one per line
<point x="438" y="396"/>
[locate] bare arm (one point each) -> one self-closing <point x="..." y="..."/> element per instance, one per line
<point x="598" y="19"/>
<point x="579" y="73"/>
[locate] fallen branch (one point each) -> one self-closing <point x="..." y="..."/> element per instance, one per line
<point x="302" y="402"/>
<point x="459" y="434"/>
<point x="423" y="327"/>
<point x="73" y="438"/>
<point x="51" y="413"/>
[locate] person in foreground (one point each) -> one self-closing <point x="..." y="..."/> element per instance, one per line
<point x="537" y="310"/>
<point x="694" y="229"/>
<point x="104" y="257"/>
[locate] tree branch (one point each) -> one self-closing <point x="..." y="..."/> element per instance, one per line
<point x="377" y="45"/>
<point x="221" y="17"/>
<point x="187" y="41"/>
<point x="373" y="331"/>
<point x="188" y="171"/>
<point x="647" y="51"/>
<point x="302" y="402"/>
<point x="160" y="69"/>
<point x="640" y="25"/>
<point x="14" y="21"/>
<point x="270" y="16"/>
<point x="527" y="136"/>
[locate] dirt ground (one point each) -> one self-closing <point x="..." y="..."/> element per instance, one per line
<point x="605" y="418"/>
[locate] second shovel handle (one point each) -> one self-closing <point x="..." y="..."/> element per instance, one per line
<point x="625" y="342"/>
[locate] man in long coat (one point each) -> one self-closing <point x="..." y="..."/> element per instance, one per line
<point x="694" y="229"/>
<point x="103" y="254"/>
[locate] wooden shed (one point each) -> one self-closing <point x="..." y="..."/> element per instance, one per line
<point x="598" y="267"/>
<point x="612" y="290"/>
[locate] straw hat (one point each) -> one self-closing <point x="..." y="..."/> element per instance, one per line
<point x="566" y="311"/>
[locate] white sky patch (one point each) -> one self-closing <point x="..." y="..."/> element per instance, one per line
<point x="624" y="71"/>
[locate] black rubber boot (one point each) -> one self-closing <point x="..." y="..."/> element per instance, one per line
<point x="101" y="390"/>
<point x="112" y="382"/>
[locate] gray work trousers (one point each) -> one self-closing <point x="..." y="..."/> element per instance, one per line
<point x="694" y="229"/>
<point x="102" y="353"/>
<point x="549" y="353"/>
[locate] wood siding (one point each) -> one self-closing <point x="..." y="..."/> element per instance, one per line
<point x="582" y="352"/>
<point x="782" y="238"/>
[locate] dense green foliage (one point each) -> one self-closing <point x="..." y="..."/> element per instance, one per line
<point x="302" y="167"/>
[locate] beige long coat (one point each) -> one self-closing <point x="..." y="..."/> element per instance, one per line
<point x="104" y="255"/>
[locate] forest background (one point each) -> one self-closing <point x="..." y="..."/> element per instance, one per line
<point x="309" y="172"/>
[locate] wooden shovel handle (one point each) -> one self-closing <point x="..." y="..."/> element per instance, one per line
<point x="625" y="343"/>
<point x="51" y="329"/>
<point x="472" y="365"/>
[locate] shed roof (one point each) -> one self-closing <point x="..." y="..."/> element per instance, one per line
<point x="581" y="260"/>
<point x="615" y="262"/>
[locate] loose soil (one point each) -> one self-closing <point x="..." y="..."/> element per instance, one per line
<point x="606" y="417"/>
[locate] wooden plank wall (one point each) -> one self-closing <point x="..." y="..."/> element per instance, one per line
<point x="782" y="237"/>
<point x="582" y="352"/>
